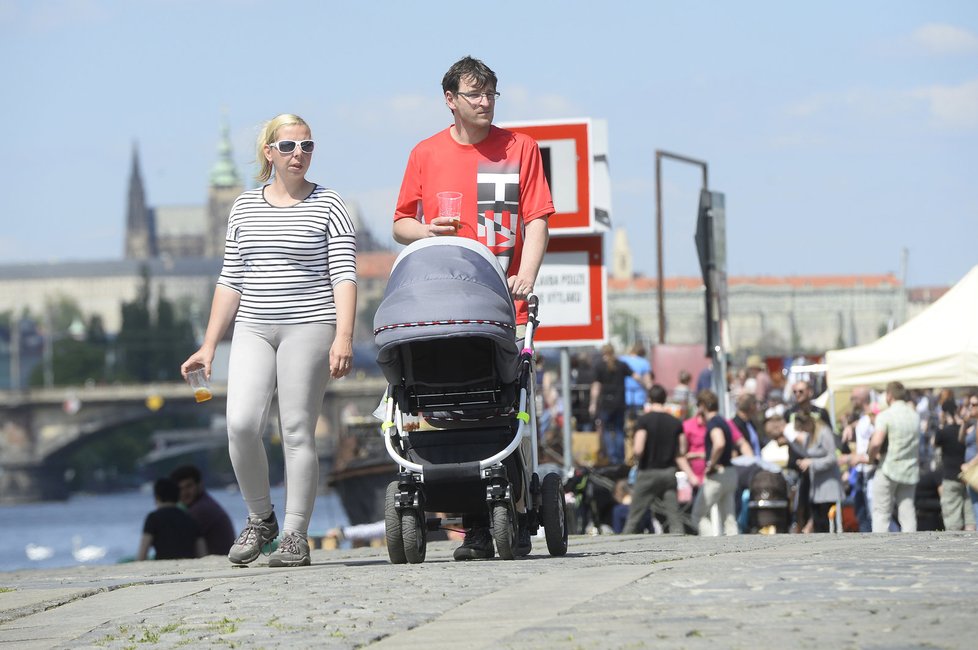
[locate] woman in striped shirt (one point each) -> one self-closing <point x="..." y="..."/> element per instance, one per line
<point x="289" y="285"/>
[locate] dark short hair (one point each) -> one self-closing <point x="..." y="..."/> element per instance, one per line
<point x="184" y="472"/>
<point x="896" y="390"/>
<point x="166" y="491"/>
<point x="708" y="400"/>
<point x="949" y="406"/>
<point x="482" y="76"/>
<point x="657" y="394"/>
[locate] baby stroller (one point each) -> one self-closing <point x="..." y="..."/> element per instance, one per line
<point x="460" y="419"/>
<point x="770" y="507"/>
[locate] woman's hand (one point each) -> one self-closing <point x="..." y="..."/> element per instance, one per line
<point x="804" y="464"/>
<point x="340" y="358"/>
<point x="202" y="358"/>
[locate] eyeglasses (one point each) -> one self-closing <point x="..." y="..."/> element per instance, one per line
<point x="288" y="146"/>
<point x="475" y="97"/>
<point x="799" y="392"/>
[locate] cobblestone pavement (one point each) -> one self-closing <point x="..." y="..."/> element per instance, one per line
<point x="640" y="591"/>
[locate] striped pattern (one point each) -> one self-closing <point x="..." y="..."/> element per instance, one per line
<point x="444" y="322"/>
<point x="285" y="261"/>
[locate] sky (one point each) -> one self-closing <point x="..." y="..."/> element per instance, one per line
<point x="841" y="133"/>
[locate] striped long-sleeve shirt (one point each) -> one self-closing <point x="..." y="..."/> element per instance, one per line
<point x="285" y="261"/>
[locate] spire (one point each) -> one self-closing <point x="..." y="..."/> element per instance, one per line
<point x="224" y="173"/>
<point x="140" y="229"/>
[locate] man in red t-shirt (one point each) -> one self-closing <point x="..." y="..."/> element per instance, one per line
<point x="505" y="204"/>
<point x="505" y="197"/>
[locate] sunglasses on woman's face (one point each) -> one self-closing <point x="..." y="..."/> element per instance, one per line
<point x="288" y="146"/>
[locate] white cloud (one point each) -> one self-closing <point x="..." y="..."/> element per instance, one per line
<point x="952" y="106"/>
<point x="939" y="39"/>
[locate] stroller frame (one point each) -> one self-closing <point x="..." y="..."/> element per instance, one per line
<point x="497" y="419"/>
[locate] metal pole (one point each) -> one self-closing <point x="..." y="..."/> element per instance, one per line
<point x="565" y="394"/>
<point x="660" y="281"/>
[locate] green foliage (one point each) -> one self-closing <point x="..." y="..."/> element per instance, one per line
<point x="152" y="340"/>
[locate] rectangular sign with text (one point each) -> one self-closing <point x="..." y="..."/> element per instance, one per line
<point x="571" y="288"/>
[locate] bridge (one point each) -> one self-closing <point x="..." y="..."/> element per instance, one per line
<point x="40" y="428"/>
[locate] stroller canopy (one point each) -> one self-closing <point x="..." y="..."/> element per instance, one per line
<point x="446" y="287"/>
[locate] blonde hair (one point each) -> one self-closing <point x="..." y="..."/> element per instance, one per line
<point x="267" y="136"/>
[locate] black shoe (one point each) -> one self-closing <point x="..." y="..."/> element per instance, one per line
<point x="524" y="544"/>
<point x="477" y="545"/>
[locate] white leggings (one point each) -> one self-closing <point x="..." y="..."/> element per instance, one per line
<point x="295" y="358"/>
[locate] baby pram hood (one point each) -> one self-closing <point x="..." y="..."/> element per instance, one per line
<point x="446" y="287"/>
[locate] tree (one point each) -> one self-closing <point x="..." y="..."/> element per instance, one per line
<point x="152" y="340"/>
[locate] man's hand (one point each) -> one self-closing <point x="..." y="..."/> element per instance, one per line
<point x="519" y="288"/>
<point x="442" y="227"/>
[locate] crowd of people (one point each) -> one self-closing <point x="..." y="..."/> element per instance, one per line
<point x="894" y="460"/>
<point x="288" y="290"/>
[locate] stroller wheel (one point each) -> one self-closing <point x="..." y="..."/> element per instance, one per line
<point x="504" y="530"/>
<point x="552" y="507"/>
<point x="392" y="527"/>
<point x="414" y="533"/>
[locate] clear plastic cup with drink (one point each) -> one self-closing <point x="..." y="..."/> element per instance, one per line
<point x="198" y="382"/>
<point x="450" y="205"/>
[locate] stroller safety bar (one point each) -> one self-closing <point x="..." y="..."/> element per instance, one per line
<point x="483" y="464"/>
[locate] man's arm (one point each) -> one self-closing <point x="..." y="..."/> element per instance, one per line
<point x="408" y="230"/>
<point x="638" y="444"/>
<point x="876" y="442"/>
<point x="536" y="234"/>
<point x="144" y="543"/>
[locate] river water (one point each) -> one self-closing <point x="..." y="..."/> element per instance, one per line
<point x="87" y="525"/>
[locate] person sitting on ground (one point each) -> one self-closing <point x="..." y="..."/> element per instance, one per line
<point x="169" y="529"/>
<point x="214" y="522"/>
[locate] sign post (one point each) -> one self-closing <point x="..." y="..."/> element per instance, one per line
<point x="711" y="246"/>
<point x="571" y="284"/>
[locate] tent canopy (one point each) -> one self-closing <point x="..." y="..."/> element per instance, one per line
<point x="938" y="348"/>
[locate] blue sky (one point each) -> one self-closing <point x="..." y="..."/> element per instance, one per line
<point x="840" y="132"/>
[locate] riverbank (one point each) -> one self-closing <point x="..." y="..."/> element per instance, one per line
<point x="814" y="591"/>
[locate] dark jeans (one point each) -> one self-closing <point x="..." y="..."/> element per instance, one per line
<point x="859" y="502"/>
<point x="613" y="435"/>
<point x="655" y="488"/>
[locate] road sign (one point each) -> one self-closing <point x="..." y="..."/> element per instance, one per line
<point x="575" y="162"/>
<point x="571" y="288"/>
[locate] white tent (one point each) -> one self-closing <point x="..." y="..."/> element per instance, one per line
<point x="937" y="348"/>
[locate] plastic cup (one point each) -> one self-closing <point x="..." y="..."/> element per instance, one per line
<point x="450" y="205"/>
<point x="198" y="382"/>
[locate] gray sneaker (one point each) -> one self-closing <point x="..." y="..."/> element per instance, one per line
<point x="477" y="545"/>
<point x="293" y="550"/>
<point x="257" y="532"/>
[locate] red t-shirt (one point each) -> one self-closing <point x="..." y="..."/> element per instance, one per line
<point x="502" y="184"/>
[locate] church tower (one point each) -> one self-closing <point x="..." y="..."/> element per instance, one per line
<point x="225" y="186"/>
<point x="621" y="256"/>
<point x="140" y="226"/>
